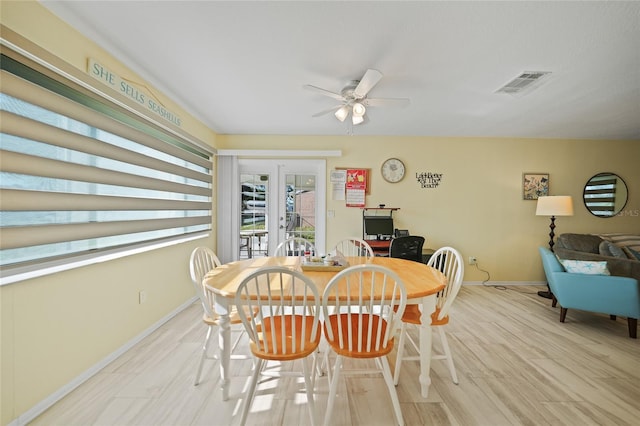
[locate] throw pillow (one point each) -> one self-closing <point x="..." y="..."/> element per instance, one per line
<point x="607" y="248"/>
<point x="603" y="248"/>
<point x="623" y="240"/>
<point x="631" y="253"/>
<point x="585" y="267"/>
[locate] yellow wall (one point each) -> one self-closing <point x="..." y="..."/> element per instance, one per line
<point x="478" y="207"/>
<point x="56" y="327"/>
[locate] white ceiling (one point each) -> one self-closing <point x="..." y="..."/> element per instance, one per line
<point x="240" y="66"/>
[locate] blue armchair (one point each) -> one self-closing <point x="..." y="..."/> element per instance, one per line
<point x="595" y="293"/>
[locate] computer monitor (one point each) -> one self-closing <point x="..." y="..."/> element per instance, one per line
<point x="379" y="226"/>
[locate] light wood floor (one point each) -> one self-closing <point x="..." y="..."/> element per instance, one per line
<point x="517" y="365"/>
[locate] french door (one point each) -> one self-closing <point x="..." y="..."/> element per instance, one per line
<point x="280" y="199"/>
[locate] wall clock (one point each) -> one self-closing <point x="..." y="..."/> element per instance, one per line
<point x="392" y="170"/>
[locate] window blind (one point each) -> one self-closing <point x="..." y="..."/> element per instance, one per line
<point x="80" y="174"/>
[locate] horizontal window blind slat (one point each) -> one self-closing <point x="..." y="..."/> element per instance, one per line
<point x="605" y="181"/>
<point x="600" y="191"/>
<point x="20" y="126"/>
<point x="21" y="236"/>
<point x="600" y="199"/>
<point x="19" y="200"/>
<point x="596" y="209"/>
<point x="14" y="162"/>
<point x="32" y="93"/>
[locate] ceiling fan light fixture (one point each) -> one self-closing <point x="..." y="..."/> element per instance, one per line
<point x="354" y="98"/>
<point x="342" y="112"/>
<point x="358" y="110"/>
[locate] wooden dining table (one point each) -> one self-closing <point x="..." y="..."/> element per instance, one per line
<point x="422" y="283"/>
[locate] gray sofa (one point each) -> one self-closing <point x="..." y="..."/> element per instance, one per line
<point x="616" y="249"/>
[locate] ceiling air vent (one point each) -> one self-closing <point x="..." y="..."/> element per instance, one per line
<point x="524" y="82"/>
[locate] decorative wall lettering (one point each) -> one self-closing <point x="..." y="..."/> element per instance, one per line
<point x="132" y="91"/>
<point x="429" y="179"/>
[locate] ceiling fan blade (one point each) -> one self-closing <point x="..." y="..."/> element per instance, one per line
<point x="326" y="111"/>
<point x="386" y="102"/>
<point x="323" y="92"/>
<point x="370" y="79"/>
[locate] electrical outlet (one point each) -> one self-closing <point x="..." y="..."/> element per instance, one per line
<point x="473" y="260"/>
<point x="142" y="297"/>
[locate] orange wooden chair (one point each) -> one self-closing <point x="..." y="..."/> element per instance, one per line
<point x="354" y="247"/>
<point x="287" y="326"/>
<point x="358" y="324"/>
<point x="202" y="260"/>
<point x="449" y="261"/>
<point x="295" y="246"/>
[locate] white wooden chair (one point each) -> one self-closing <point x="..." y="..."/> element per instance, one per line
<point x="449" y="261"/>
<point x="359" y="326"/>
<point x="287" y="326"/>
<point x="203" y="260"/>
<point x="354" y="247"/>
<point x="294" y="246"/>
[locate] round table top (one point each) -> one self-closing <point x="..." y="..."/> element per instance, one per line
<point x="419" y="279"/>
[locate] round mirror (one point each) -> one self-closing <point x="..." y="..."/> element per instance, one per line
<point x="605" y="195"/>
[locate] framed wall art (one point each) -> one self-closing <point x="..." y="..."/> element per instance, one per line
<point x="535" y="185"/>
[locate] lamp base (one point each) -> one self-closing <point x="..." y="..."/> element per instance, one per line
<point x="545" y="294"/>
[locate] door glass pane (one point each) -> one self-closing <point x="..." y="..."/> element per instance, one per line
<point x="300" y="191"/>
<point x="254" y="215"/>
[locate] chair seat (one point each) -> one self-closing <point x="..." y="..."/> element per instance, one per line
<point x="412" y="315"/>
<point x="376" y="329"/>
<point x="292" y="347"/>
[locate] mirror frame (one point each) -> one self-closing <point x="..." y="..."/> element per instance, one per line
<point x="607" y="180"/>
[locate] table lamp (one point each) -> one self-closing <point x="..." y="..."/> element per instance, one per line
<point x="553" y="205"/>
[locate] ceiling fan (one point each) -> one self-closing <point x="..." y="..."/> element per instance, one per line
<point x="354" y="98"/>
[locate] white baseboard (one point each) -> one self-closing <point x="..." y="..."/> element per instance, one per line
<point x="43" y="405"/>
<point x="504" y="283"/>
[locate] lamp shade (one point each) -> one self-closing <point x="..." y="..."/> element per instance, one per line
<point x="555" y="205"/>
<point x="342" y="112"/>
<point x="358" y="109"/>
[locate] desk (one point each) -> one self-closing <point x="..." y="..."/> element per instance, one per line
<point x="379" y="247"/>
<point x="248" y="236"/>
<point x="421" y="281"/>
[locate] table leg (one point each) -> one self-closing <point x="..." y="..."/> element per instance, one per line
<point x="428" y="306"/>
<point x="224" y="340"/>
